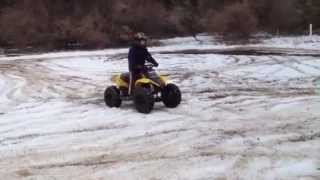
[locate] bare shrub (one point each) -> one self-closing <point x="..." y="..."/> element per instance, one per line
<point x="21" y="26"/>
<point x="283" y="16"/>
<point x="29" y="23"/>
<point x="90" y="31"/>
<point x="235" y="21"/>
<point x="101" y="23"/>
<point x="148" y="16"/>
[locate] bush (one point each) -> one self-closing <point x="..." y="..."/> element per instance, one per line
<point x="82" y="24"/>
<point x="20" y="27"/>
<point x="150" y="17"/>
<point x="279" y="13"/>
<point x="104" y="23"/>
<point x="87" y="32"/>
<point x="235" y="21"/>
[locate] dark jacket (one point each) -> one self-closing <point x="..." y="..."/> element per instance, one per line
<point x="138" y="57"/>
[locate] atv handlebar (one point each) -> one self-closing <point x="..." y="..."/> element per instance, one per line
<point x="146" y="67"/>
<point x="149" y="66"/>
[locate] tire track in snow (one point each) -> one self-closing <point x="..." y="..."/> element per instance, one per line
<point x="19" y="139"/>
<point x="251" y="120"/>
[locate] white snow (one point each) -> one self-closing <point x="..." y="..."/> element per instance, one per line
<point x="305" y="42"/>
<point x="187" y="43"/>
<point x="241" y="117"/>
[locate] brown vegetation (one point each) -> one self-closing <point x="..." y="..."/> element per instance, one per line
<point x="104" y="23"/>
<point x="236" y="21"/>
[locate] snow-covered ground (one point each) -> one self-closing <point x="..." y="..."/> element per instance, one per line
<point x="242" y="116"/>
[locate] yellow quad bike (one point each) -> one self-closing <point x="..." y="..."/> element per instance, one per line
<point x="147" y="91"/>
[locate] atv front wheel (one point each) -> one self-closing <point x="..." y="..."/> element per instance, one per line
<point x="143" y="100"/>
<point x="112" y="97"/>
<point x="171" y="96"/>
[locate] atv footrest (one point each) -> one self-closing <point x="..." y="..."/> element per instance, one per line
<point x="126" y="98"/>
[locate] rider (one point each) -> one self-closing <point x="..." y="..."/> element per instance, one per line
<point x="138" y="55"/>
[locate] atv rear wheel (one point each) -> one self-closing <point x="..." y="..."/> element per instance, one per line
<point x="112" y="97"/>
<point x="143" y="100"/>
<point x="171" y="96"/>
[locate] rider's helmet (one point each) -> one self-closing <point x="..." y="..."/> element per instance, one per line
<point x="140" y="36"/>
<point x="141" y="39"/>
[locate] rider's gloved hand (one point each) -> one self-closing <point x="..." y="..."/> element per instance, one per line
<point x="156" y="64"/>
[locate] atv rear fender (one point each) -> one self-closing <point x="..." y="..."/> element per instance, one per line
<point x="120" y="82"/>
